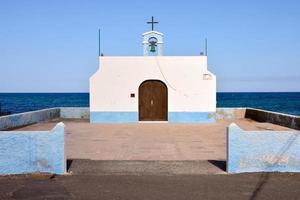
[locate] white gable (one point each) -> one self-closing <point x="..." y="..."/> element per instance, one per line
<point x="189" y="89"/>
<point x="151" y="32"/>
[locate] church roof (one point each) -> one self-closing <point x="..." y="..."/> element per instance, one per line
<point x="149" y="32"/>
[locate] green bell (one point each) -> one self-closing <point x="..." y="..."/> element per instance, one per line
<point x="152" y="48"/>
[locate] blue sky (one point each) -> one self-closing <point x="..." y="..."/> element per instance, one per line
<point x="51" y="46"/>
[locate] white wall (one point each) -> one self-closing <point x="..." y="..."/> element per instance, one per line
<point x="118" y="77"/>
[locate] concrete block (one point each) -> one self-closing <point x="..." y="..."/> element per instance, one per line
<point x="33" y="151"/>
<point x="262" y="151"/>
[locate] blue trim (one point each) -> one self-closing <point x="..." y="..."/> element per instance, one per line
<point x="114" y="117"/>
<point x="191" y="117"/>
<point x="131" y="117"/>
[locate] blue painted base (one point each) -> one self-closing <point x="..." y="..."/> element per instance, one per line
<point x="131" y="117"/>
<point x="114" y="117"/>
<point x="191" y="117"/>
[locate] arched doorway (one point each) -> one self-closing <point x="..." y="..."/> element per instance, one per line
<point x="153" y="101"/>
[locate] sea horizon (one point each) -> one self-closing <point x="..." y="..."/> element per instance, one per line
<point x="17" y="102"/>
<point x="88" y="92"/>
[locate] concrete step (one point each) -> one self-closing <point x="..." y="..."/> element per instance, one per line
<point x="139" y="167"/>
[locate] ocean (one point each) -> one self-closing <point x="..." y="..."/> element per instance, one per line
<point x="285" y="102"/>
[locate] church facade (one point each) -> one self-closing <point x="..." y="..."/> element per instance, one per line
<point x="152" y="87"/>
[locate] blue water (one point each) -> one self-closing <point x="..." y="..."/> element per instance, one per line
<point x="20" y="102"/>
<point x="284" y="102"/>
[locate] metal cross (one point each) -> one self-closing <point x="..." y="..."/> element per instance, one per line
<point x="152" y="22"/>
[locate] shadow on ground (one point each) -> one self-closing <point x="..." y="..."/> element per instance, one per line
<point x="145" y="167"/>
<point x="221" y="164"/>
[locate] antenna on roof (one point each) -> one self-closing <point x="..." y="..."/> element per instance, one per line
<point x="99" y="42"/>
<point x="206" y="46"/>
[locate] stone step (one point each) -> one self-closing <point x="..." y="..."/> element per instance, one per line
<point x="139" y="167"/>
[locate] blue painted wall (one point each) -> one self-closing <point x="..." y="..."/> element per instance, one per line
<point x="262" y="151"/>
<point x="33" y="151"/>
<point x="191" y="117"/>
<point x="114" y="117"/>
<point x="133" y="117"/>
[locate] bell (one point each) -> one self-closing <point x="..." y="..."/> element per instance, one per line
<point x="152" y="48"/>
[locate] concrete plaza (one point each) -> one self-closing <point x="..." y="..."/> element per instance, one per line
<point x="148" y="141"/>
<point x="149" y="161"/>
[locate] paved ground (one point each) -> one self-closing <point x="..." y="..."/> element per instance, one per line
<point x="130" y="187"/>
<point x="148" y="141"/>
<point x="149" y="161"/>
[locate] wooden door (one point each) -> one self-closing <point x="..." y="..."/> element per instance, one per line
<point x="153" y="101"/>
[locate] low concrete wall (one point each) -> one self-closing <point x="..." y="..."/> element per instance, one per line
<point x="259" y="115"/>
<point x="74" y="112"/>
<point x="230" y="113"/>
<point x="281" y="119"/>
<point x="262" y="151"/>
<point x="27" y="118"/>
<point x="33" y="151"/>
<point x="23" y="119"/>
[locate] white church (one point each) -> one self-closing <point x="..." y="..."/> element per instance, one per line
<point x="152" y="87"/>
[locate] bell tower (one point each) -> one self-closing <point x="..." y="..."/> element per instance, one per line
<point x="153" y="41"/>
